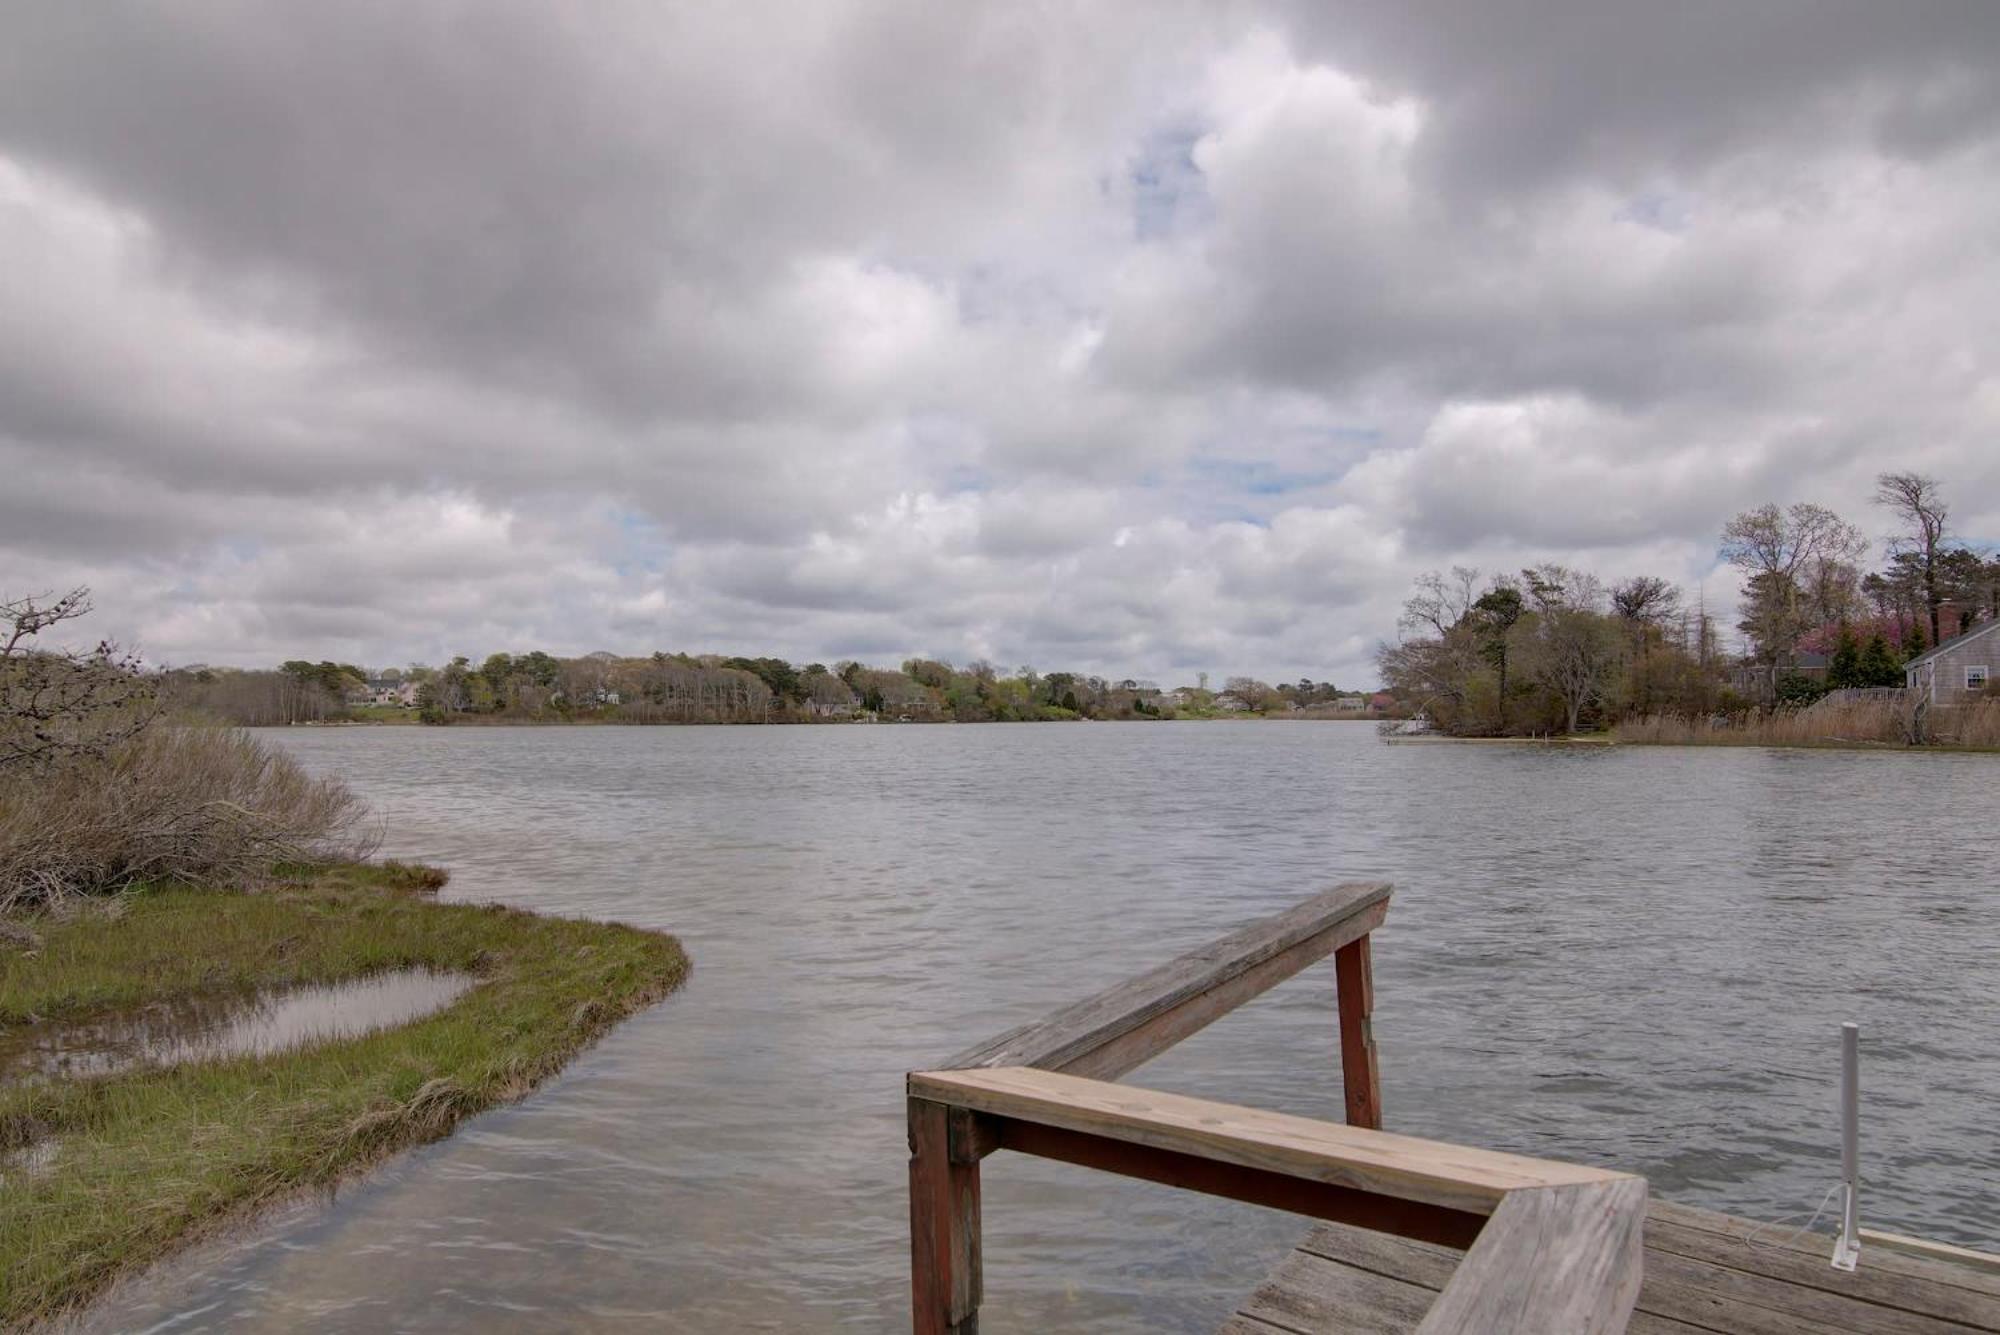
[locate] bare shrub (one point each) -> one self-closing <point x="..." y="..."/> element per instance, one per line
<point x="56" y="704"/>
<point x="197" y="804"/>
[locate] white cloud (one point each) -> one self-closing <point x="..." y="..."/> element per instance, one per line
<point x="1143" y="339"/>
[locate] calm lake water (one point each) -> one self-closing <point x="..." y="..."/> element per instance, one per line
<point x="1630" y="957"/>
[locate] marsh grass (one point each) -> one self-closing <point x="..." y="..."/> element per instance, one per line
<point x="148" y="1160"/>
<point x="1860" y="723"/>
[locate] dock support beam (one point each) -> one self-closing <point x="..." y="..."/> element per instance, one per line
<point x="1354" y="980"/>
<point x="944" y="1220"/>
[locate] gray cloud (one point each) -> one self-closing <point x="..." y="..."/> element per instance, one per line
<point x="1142" y="339"/>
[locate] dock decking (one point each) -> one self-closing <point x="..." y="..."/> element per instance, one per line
<point x="1700" y="1275"/>
<point x="1419" y="1235"/>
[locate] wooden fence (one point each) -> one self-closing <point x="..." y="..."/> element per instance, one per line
<point x="1552" y="1246"/>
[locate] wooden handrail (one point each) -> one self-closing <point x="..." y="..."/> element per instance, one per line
<point x="1566" y="1258"/>
<point x="1553" y="1246"/>
<point x="1560" y="1249"/>
<point x="1459" y="1177"/>
<point x="1108" y="1034"/>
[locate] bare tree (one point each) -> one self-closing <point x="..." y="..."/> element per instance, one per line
<point x="1775" y="549"/>
<point x="1574" y="654"/>
<point x="1555" y="587"/>
<point x="1916" y="501"/>
<point x="57" y="704"/>
<point x="1645" y="600"/>
<point x="1441" y="601"/>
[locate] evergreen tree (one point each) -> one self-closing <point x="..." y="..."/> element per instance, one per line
<point x="1844" y="668"/>
<point x="1878" y="665"/>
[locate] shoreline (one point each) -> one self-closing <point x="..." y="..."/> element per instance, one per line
<point x="109" y="1173"/>
<point x="498" y="721"/>
<point x="1608" y="740"/>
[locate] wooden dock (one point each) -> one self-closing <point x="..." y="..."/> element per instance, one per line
<point x="1701" y="1274"/>
<point x="1417" y="1235"/>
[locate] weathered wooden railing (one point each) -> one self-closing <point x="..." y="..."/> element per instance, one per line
<point x="1553" y="1246"/>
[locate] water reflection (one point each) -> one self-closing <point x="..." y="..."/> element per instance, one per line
<point x="200" y="1028"/>
<point x="1629" y="957"/>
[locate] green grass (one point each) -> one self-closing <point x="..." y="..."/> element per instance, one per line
<point x="382" y="714"/>
<point x="147" y="1161"/>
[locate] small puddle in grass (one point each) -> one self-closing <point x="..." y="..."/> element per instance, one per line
<point x="31" y="1161"/>
<point x="210" y="1028"/>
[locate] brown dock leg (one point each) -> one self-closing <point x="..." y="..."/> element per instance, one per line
<point x="1355" y="985"/>
<point x="944" y="1221"/>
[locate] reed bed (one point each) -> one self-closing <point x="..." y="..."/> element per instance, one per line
<point x="1866" y="723"/>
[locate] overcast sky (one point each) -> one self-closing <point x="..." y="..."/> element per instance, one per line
<point x="1142" y="339"/>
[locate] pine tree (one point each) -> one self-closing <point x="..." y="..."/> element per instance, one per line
<point x="1844" y="668"/>
<point x="1878" y="666"/>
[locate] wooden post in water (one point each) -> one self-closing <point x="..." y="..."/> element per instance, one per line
<point x="1355" y="985"/>
<point x="944" y="1220"/>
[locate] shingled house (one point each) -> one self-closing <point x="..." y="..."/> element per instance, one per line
<point x="1959" y="670"/>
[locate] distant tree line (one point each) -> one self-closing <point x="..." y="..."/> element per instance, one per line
<point x="709" y="688"/>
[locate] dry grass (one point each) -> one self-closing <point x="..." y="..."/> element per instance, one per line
<point x="202" y="805"/>
<point x="1866" y="723"/>
<point x="1975" y="726"/>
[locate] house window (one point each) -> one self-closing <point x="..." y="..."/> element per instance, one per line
<point x="1975" y="678"/>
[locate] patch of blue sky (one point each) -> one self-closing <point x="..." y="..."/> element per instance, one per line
<point x="1258" y="477"/>
<point x="962" y="478"/>
<point x="643" y="546"/>
<point x="1661" y="210"/>
<point x="948" y="448"/>
<point x="1169" y="193"/>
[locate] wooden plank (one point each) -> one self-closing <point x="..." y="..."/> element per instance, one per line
<point x="1743" y="1290"/>
<point x="1914" y="1284"/>
<point x="1672" y="1291"/>
<point x="1240" y="1324"/>
<point x="1457" y="1177"/>
<point x="1566" y="1258"/>
<point x="1701" y="1309"/>
<point x="1818" y="1247"/>
<point x="1419" y="1263"/>
<point x="944" y="1227"/>
<point x="1302" y="934"/>
<point x="1985" y="1263"/>
<point x="1361" y="1080"/>
<point x="1306" y="1293"/>
<point x="1253" y="1186"/>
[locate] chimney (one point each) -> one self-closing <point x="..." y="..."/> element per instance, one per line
<point x="1951" y="619"/>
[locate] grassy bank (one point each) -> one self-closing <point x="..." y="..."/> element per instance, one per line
<point x="146" y="1161"/>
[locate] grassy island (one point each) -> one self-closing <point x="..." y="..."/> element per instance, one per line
<point x="129" y="1166"/>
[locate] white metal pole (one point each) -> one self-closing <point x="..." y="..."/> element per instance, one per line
<point x="1848" y="1249"/>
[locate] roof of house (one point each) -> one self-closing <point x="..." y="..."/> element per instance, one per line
<point x="1985" y="627"/>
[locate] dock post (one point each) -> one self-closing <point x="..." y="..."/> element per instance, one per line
<point x="944" y="1220"/>
<point x="1847" y="1250"/>
<point x="1354" y="986"/>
